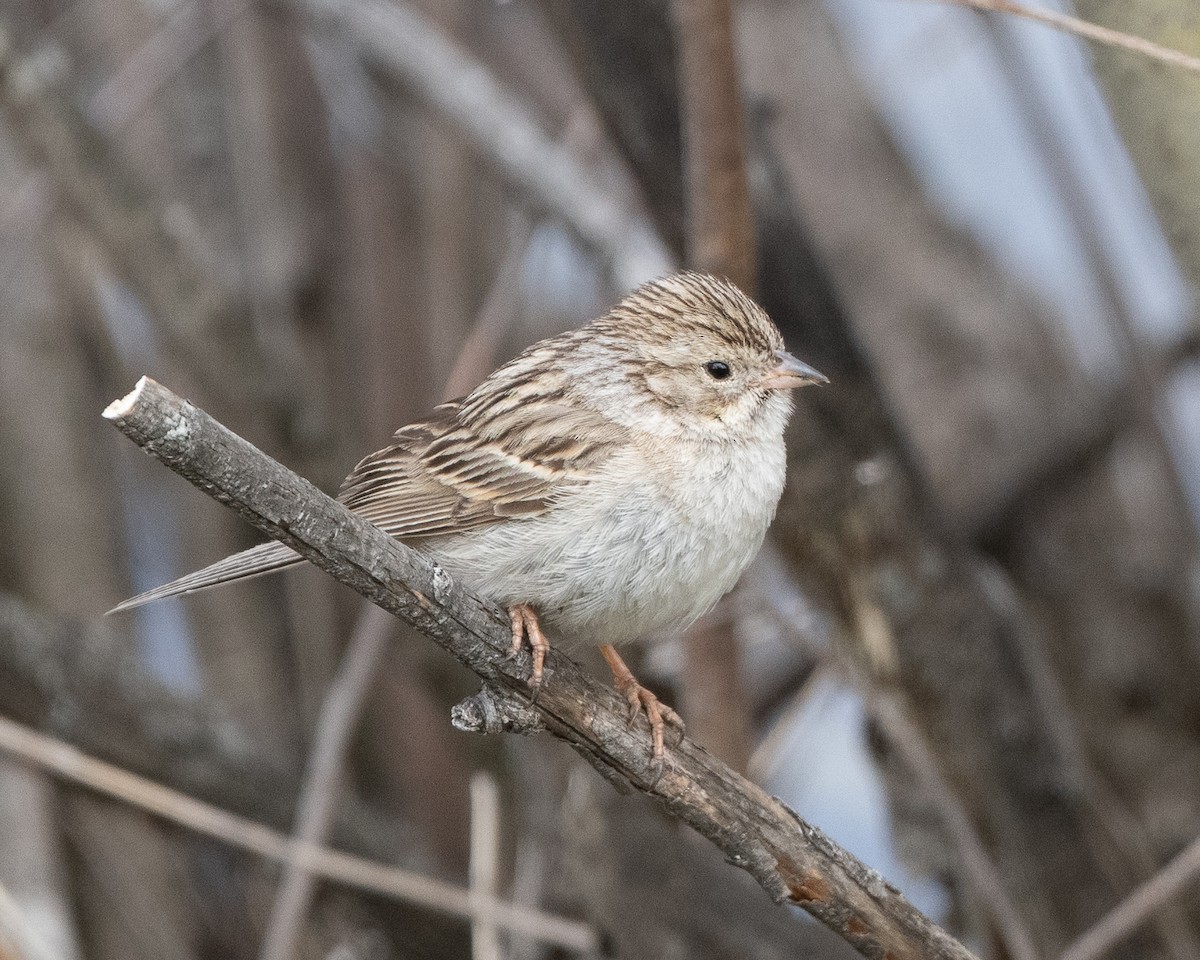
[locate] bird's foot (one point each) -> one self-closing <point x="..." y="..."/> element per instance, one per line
<point x="525" y="626"/>
<point x="642" y="700"/>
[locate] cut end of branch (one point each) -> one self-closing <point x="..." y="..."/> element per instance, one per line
<point x="119" y="409"/>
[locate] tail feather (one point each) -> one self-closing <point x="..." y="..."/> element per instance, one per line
<point x="265" y="558"/>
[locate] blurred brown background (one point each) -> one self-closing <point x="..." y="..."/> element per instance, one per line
<point x="971" y="651"/>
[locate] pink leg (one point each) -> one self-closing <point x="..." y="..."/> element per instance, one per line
<point x="525" y="626"/>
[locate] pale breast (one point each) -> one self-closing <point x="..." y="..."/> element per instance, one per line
<point x="650" y="543"/>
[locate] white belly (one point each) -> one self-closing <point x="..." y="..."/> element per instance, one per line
<point x="627" y="557"/>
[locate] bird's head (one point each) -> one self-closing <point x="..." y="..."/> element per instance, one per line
<point x="691" y="354"/>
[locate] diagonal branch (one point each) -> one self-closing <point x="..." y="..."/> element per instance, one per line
<point x="792" y="860"/>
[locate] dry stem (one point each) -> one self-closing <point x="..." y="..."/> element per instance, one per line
<point x="64" y="760"/>
<point x="1087" y="30"/>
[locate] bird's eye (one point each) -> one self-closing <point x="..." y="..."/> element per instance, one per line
<point x="717" y="369"/>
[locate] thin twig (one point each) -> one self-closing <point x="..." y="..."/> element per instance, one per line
<point x="1138" y="907"/>
<point x="323" y="779"/>
<point x="791" y="859"/>
<point x="484" y="870"/>
<point x="67" y="762"/>
<point x="1087" y="30"/>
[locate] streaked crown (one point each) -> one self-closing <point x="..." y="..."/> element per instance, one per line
<point x="711" y="306"/>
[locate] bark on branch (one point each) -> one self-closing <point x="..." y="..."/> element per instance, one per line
<point x="792" y="860"/>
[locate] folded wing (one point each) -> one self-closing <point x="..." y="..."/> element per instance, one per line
<point x="471" y="464"/>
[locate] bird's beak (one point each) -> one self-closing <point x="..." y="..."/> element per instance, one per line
<point x="791" y="373"/>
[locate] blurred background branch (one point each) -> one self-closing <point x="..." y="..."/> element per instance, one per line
<point x="64" y="761"/>
<point x="720" y="241"/>
<point x="1089" y="31"/>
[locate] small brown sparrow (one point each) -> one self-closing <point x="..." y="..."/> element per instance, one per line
<point x="606" y="484"/>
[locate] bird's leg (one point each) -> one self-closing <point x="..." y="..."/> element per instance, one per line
<point x="642" y="700"/>
<point x="525" y="626"/>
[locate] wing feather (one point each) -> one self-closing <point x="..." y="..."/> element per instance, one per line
<point x="473" y="465"/>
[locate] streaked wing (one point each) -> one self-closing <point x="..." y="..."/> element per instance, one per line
<point x="474" y="464"/>
<point x="508" y="450"/>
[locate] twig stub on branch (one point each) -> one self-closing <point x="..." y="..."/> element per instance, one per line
<point x="492" y="712"/>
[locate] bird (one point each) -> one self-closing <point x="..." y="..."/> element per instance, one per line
<point x="605" y="485"/>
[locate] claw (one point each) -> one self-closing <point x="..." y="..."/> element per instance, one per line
<point x="642" y="700"/>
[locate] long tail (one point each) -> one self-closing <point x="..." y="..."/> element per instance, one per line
<point x="265" y="558"/>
